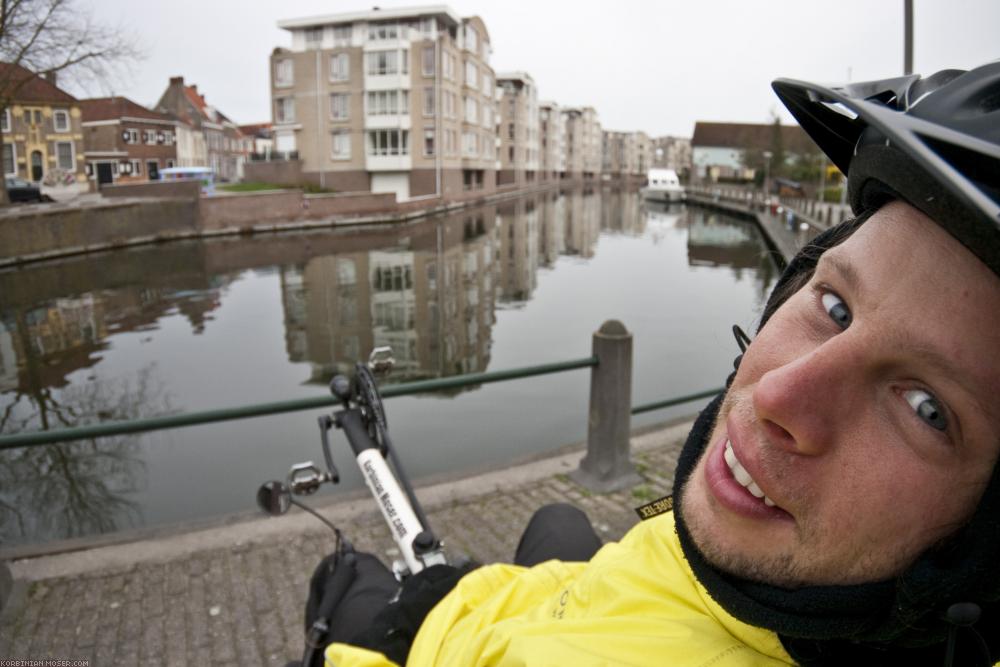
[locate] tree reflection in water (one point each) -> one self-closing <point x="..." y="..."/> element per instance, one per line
<point x="81" y="487"/>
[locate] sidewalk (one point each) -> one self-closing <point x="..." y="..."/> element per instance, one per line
<point x="235" y="595"/>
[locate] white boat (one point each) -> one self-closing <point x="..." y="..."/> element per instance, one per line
<point x="663" y="185"/>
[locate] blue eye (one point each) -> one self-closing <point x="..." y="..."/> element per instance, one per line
<point x="927" y="408"/>
<point x="836" y="309"/>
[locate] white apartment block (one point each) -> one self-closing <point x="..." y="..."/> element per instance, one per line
<point x="520" y="156"/>
<point x="584" y="142"/>
<point x="388" y="100"/>
<point x="552" y="141"/>
<point x="626" y="155"/>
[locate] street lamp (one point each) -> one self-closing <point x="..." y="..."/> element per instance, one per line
<point x="767" y="172"/>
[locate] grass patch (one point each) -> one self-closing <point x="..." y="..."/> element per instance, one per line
<point x="643" y="493"/>
<point x="257" y="186"/>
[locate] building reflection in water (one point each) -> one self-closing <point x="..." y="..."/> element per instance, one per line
<point x="715" y="240"/>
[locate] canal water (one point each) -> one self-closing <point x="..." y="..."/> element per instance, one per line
<point x="209" y="324"/>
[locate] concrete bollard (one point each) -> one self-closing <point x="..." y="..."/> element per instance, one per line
<point x="607" y="466"/>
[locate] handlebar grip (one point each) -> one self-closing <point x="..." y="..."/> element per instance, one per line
<point x="354" y="429"/>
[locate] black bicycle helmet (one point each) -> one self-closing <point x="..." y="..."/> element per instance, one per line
<point x="932" y="141"/>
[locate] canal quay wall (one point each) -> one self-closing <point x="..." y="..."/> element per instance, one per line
<point x="144" y="213"/>
<point x="235" y="594"/>
<point x="787" y="224"/>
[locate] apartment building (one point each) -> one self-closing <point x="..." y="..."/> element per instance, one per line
<point x="672" y="153"/>
<point x="626" y="155"/>
<point x="552" y="141"/>
<point x="225" y="147"/>
<point x="42" y="135"/>
<point x="520" y="158"/>
<point x="126" y="142"/>
<point x="388" y="100"/>
<point x="584" y="142"/>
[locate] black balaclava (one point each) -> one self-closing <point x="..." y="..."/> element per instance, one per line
<point x="876" y="623"/>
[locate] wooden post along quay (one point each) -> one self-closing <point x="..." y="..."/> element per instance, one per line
<point x="607" y="466"/>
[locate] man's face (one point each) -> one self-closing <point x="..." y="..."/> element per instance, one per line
<point x="866" y="411"/>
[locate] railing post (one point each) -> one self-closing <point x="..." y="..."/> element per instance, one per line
<point x="607" y="466"/>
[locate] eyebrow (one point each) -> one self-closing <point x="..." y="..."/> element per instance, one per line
<point x="843" y="267"/>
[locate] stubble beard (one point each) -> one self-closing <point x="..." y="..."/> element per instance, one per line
<point x="777" y="569"/>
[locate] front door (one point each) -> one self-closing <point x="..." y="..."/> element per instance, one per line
<point x="36" y="165"/>
<point x="104" y="174"/>
<point x="153" y="169"/>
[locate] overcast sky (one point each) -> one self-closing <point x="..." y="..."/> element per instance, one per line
<point x="656" y="66"/>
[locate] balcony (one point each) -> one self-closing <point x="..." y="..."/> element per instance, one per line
<point x="388" y="162"/>
<point x="399" y="121"/>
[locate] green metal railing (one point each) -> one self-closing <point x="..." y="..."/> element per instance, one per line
<point x="260" y="409"/>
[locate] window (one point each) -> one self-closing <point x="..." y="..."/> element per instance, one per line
<point x="150" y="136"/>
<point x="428" y="101"/>
<point x="449" y="104"/>
<point x="136" y="167"/>
<point x="341" y="35"/>
<point x="38" y="117"/>
<point x="284" y="110"/>
<point x="471" y="75"/>
<point x="9" y="160"/>
<point x="340" y="67"/>
<point x="341" y="145"/>
<point x="471" y="38"/>
<point x="510" y="131"/>
<point x="168" y="138"/>
<point x="388" y="142"/>
<point x="60" y="120"/>
<point x="428" y="142"/>
<point x="130" y="136"/>
<point x="470" y="144"/>
<point x="284" y="72"/>
<point x="487" y="115"/>
<point x="471" y="110"/>
<point x="314" y="38"/>
<point x="448" y="66"/>
<point x="5" y="121"/>
<point x="382" y="31"/>
<point x="487" y="85"/>
<point x="170" y="163"/>
<point x="387" y="62"/>
<point x="427" y="27"/>
<point x="64" y="155"/>
<point x="340" y="106"/>
<point x="388" y="102"/>
<point x="428" y="61"/>
<point x="347" y="272"/>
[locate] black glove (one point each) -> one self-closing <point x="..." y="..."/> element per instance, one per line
<point x="394" y="628"/>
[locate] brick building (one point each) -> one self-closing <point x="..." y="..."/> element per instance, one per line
<point x="126" y="142"/>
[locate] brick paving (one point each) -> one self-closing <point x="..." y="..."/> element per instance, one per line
<point x="242" y="604"/>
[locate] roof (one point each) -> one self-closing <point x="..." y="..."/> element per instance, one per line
<point x="30" y="87"/>
<point x="257" y="129"/>
<point x="441" y="11"/>
<point x="751" y="135"/>
<point x="110" y="108"/>
<point x="523" y="77"/>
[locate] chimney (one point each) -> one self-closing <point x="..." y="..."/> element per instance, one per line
<point x="50" y="76"/>
<point x="176" y="81"/>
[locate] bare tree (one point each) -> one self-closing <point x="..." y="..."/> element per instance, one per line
<point x="39" y="37"/>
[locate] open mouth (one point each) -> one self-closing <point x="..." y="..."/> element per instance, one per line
<point x="741" y="475"/>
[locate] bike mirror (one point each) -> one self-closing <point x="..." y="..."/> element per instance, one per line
<point x="381" y="360"/>
<point x="273" y="498"/>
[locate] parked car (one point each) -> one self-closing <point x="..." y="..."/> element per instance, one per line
<point x="21" y="190"/>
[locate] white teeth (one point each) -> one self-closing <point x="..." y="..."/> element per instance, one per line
<point x="742" y="476"/>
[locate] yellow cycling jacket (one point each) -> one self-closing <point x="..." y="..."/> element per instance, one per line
<point x="635" y="603"/>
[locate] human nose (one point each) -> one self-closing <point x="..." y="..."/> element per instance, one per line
<point x="802" y="404"/>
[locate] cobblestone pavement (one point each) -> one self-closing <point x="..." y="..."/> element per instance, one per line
<point x="242" y="604"/>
